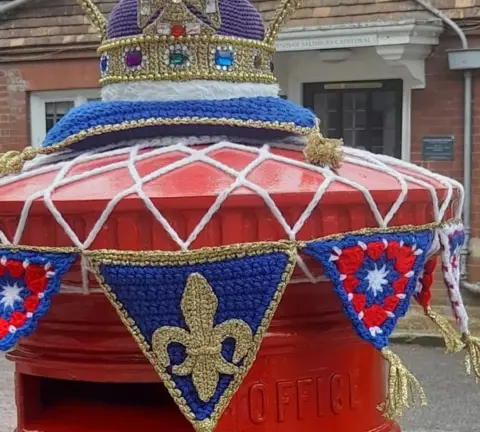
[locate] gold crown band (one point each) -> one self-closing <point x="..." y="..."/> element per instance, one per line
<point x="206" y="57"/>
<point x="178" y="46"/>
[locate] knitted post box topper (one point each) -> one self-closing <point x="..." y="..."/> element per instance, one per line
<point x="184" y="82"/>
<point x="185" y="68"/>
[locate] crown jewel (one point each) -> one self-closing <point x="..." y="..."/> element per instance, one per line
<point x="182" y="40"/>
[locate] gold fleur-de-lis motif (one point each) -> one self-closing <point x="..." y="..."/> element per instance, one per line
<point x="203" y="342"/>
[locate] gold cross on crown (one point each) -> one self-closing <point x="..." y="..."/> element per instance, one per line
<point x="165" y="16"/>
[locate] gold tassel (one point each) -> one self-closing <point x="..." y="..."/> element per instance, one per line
<point x="472" y="358"/>
<point x="323" y="151"/>
<point x="12" y="161"/>
<point x="453" y="342"/>
<point x="402" y="387"/>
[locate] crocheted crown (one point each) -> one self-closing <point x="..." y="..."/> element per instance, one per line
<point x="182" y="40"/>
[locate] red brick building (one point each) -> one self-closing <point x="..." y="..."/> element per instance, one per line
<point x="376" y="72"/>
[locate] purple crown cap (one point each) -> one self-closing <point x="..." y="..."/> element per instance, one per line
<point x="239" y="18"/>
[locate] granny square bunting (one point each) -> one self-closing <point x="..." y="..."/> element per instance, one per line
<point x="199" y="316"/>
<point x="452" y="238"/>
<point x="28" y="279"/>
<point x="374" y="277"/>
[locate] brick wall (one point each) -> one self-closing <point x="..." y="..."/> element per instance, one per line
<point x="53" y="24"/>
<point x="13" y="113"/>
<point x="18" y="80"/>
<point x="438" y="110"/>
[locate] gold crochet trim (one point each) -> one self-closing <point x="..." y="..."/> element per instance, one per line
<point x="251" y="60"/>
<point x="98" y="258"/>
<point x="432" y="226"/>
<point x="12" y="162"/>
<point x="214" y="251"/>
<point x="94" y="15"/>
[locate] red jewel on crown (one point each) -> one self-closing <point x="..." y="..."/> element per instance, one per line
<point x="177" y="30"/>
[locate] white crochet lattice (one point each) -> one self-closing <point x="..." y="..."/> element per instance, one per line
<point x="404" y="173"/>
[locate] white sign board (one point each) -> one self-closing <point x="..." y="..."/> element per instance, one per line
<point x="326" y="43"/>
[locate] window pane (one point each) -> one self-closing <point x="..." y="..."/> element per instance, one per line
<point x="360" y="120"/>
<point x="354" y="118"/>
<point x="348" y="120"/>
<point x="58" y="108"/>
<point x="54" y="111"/>
<point x="50" y="123"/>
<point x="384" y="122"/>
<point x="348" y="101"/>
<point x="360" y="100"/>
<point x="320" y="106"/>
<point x="326" y="109"/>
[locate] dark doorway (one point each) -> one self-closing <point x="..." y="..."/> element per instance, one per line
<point x="366" y="114"/>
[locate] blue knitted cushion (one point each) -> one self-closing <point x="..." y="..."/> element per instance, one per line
<point x="97" y="123"/>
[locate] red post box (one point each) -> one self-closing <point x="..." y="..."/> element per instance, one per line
<point x="82" y="371"/>
<point x="209" y="217"/>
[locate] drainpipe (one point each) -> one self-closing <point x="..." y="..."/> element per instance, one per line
<point x="462" y="60"/>
<point x="11" y="5"/>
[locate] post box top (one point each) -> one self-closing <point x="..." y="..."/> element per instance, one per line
<point x="181" y="177"/>
<point x="223" y="176"/>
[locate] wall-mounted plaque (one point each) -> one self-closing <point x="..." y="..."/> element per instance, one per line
<point x="439" y="148"/>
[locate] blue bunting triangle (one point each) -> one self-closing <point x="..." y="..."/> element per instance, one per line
<point x="374" y="276"/>
<point x="28" y="280"/>
<point x="199" y="316"/>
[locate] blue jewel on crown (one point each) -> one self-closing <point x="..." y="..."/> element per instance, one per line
<point x="104" y="64"/>
<point x="223" y="57"/>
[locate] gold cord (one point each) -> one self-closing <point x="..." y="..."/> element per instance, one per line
<point x="12" y="162"/>
<point x="402" y="387"/>
<point x="453" y="342"/>
<point x="323" y="151"/>
<point x="472" y="358"/>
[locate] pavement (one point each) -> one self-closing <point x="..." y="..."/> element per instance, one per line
<point x="454" y="398"/>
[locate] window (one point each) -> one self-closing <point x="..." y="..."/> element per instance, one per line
<point x="48" y="108"/>
<point x="367" y="115"/>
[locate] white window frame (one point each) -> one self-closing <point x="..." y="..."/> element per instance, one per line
<point x="38" y="100"/>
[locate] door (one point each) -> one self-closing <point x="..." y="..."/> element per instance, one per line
<point x="367" y="115"/>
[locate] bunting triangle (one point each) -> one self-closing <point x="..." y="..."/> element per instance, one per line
<point x="28" y="280"/>
<point x="374" y="277"/>
<point x="199" y="316"/>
